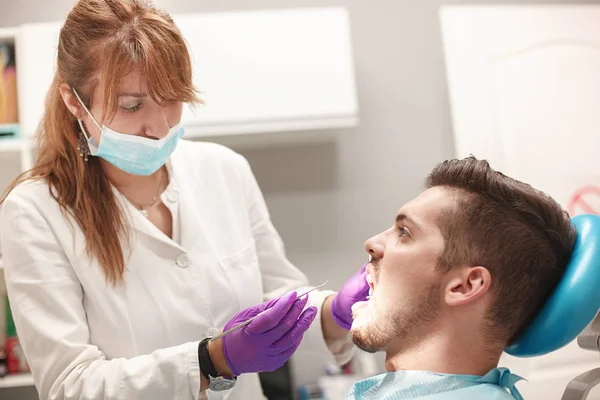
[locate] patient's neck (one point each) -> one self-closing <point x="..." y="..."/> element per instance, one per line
<point x="453" y="349"/>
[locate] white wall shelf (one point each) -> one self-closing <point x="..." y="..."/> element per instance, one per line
<point x="16" y="380"/>
<point x="10" y="145"/>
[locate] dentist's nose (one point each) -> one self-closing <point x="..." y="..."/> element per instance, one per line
<point x="158" y="127"/>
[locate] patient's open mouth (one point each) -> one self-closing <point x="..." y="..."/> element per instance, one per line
<point x="371" y="286"/>
<point x="361" y="304"/>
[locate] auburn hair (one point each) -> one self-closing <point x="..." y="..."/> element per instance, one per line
<point x="100" y="43"/>
<point x="520" y="234"/>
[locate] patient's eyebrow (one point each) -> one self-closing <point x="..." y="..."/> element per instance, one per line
<point x="406" y="219"/>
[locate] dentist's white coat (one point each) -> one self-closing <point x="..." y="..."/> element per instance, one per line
<point x="87" y="340"/>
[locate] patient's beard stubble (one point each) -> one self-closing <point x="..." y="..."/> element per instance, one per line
<point x="398" y="324"/>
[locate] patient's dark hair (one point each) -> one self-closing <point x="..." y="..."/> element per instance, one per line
<point x="520" y="234"/>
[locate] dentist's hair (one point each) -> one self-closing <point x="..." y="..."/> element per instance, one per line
<point x="101" y="42"/>
<point x="520" y="234"/>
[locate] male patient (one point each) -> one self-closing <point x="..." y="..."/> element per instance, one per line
<point x="462" y="272"/>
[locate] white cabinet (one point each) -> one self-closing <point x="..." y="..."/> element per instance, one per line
<point x="524" y="85"/>
<point x="271" y="71"/>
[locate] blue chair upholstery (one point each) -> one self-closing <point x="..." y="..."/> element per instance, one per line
<point x="575" y="301"/>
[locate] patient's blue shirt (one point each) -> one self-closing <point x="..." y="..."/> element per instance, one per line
<point x="498" y="384"/>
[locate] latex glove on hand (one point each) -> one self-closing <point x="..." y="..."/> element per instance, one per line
<point x="355" y="289"/>
<point x="267" y="342"/>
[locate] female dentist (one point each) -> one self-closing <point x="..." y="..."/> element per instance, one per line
<point x="126" y="249"/>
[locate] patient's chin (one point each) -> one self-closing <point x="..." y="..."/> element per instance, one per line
<point x="368" y="338"/>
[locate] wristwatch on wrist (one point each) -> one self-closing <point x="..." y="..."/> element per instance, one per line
<point x="216" y="382"/>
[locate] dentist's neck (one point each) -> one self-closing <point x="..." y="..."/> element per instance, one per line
<point x="449" y="349"/>
<point x="138" y="189"/>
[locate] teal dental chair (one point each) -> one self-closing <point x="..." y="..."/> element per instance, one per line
<point x="572" y="310"/>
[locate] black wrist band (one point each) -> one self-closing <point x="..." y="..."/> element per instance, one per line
<point x="206" y="365"/>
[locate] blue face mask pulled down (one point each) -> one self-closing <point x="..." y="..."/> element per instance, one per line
<point x="133" y="154"/>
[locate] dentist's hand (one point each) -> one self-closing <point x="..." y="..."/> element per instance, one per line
<point x="267" y="342"/>
<point x="355" y="289"/>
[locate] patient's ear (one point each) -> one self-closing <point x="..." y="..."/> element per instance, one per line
<point x="466" y="285"/>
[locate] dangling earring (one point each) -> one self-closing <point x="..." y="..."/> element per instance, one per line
<point x="82" y="144"/>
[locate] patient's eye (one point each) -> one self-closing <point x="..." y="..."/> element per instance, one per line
<point x="403" y="232"/>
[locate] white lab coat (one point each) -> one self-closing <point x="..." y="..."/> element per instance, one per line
<point x="87" y="340"/>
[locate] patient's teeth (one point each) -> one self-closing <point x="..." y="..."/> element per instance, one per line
<point x="370" y="282"/>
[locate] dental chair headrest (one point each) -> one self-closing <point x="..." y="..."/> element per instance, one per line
<point x="575" y="301"/>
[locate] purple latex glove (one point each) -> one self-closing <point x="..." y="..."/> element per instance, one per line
<point x="355" y="289"/>
<point x="266" y="343"/>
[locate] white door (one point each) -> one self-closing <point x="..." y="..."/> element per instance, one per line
<point x="524" y="87"/>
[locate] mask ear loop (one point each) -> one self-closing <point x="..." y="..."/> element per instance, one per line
<point x="88" y="113"/>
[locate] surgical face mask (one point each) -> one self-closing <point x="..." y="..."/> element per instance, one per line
<point x="135" y="155"/>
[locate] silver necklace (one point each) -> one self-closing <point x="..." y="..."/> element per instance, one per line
<point x="144" y="208"/>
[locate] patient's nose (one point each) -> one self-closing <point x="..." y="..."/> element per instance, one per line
<point x="374" y="246"/>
